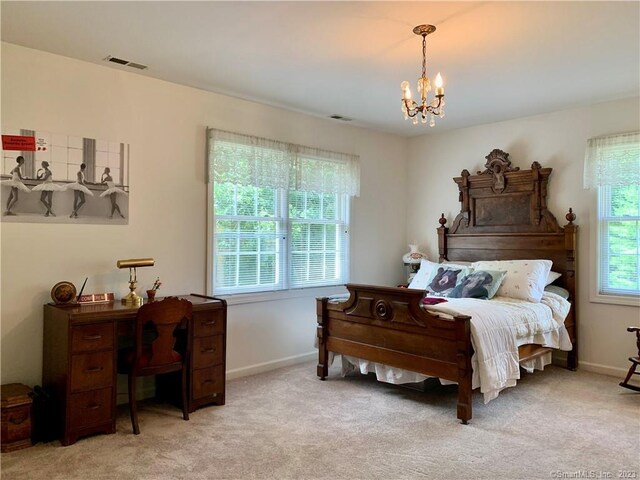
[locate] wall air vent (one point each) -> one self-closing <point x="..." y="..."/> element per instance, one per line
<point x="126" y="63"/>
<point x="340" y="117"/>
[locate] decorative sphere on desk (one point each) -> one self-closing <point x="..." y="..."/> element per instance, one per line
<point x="63" y="292"/>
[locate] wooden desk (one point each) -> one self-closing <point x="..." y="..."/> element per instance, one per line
<point x="80" y="359"/>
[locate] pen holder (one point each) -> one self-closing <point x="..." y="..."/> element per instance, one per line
<point x="151" y="295"/>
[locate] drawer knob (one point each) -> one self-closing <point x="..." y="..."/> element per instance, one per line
<point x="207" y="350"/>
<point x="94" y="369"/>
<point x="93" y="406"/>
<point x="92" y="337"/>
<point x="207" y="382"/>
<point x="209" y="322"/>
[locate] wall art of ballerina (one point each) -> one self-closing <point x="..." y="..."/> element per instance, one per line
<point x="48" y="177"/>
<point x="112" y="191"/>
<point x="16" y="186"/>
<point x="47" y="187"/>
<point x="79" y="190"/>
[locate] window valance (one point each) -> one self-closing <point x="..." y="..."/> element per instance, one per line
<point x="246" y="160"/>
<point x="612" y="160"/>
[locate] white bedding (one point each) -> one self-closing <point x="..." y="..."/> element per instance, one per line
<point x="498" y="327"/>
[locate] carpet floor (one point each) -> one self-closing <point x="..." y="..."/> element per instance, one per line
<point x="286" y="424"/>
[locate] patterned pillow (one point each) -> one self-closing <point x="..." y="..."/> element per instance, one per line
<point x="525" y="279"/>
<point x="422" y="277"/>
<point x="444" y="278"/>
<point x="479" y="284"/>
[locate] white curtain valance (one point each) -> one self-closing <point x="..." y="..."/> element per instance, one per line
<point x="612" y="160"/>
<point x="246" y="160"/>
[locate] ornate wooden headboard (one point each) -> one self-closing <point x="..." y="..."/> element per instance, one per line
<point x="504" y="216"/>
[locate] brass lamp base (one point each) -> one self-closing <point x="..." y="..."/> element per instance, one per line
<point x="132" y="300"/>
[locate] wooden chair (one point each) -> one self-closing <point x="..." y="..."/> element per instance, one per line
<point x="635" y="361"/>
<point x="169" y="322"/>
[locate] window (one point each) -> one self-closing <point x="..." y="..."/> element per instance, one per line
<point x="280" y="214"/>
<point x="619" y="239"/>
<point x="612" y="165"/>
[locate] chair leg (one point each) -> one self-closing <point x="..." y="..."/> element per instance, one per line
<point x="624" y="383"/>
<point x="133" y="406"/>
<point x="185" y="406"/>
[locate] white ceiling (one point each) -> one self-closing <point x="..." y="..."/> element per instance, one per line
<point x="500" y="60"/>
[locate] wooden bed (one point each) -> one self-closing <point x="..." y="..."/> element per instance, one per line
<point x="503" y="216"/>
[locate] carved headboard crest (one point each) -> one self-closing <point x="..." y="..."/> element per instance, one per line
<point x="503" y="198"/>
<point x="498" y="164"/>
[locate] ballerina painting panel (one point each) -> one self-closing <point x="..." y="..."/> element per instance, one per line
<point x="54" y="178"/>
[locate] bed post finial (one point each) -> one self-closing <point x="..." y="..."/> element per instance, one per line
<point x="570" y="216"/>
<point x="442" y="239"/>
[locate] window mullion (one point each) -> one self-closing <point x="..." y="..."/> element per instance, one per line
<point x="286" y="236"/>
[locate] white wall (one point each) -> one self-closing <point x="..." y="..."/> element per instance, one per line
<point x="554" y="140"/>
<point x="165" y="126"/>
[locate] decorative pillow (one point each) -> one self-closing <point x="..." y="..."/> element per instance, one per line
<point x="525" y="279"/>
<point x="563" y="292"/>
<point x="420" y="279"/>
<point x="479" y="284"/>
<point x="552" y="277"/>
<point x="444" y="278"/>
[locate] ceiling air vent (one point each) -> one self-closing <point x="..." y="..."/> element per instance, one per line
<point x="137" y="65"/>
<point x="340" y="117"/>
<point x="126" y="63"/>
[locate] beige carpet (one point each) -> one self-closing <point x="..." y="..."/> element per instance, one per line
<point x="286" y="424"/>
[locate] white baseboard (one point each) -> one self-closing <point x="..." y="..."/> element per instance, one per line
<point x="148" y="391"/>
<point x="271" y="365"/>
<point x="603" y="369"/>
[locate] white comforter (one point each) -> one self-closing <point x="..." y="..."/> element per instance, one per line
<point x="498" y="327"/>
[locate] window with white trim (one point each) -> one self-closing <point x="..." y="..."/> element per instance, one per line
<point x="612" y="165"/>
<point x="279" y="214"/>
<point x="619" y="239"/>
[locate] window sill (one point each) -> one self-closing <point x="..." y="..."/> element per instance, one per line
<point x="615" y="300"/>
<point x="260" y="297"/>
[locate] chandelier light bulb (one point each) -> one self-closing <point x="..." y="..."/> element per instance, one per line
<point x="406" y="90"/>
<point x="439" y="81"/>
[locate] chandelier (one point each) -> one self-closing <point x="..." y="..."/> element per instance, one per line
<point x="425" y="109"/>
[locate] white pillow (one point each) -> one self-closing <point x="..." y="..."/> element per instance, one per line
<point x="552" y="277"/>
<point x="419" y="280"/>
<point x="457" y="263"/>
<point x="525" y="279"/>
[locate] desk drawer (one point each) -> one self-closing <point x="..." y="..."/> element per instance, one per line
<point x="91" y="370"/>
<point x="208" y="382"/>
<point x="89" y="338"/>
<point x="208" y="323"/>
<point x="207" y="351"/>
<point x="91" y="408"/>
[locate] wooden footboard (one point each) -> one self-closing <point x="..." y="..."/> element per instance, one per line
<point x="387" y="325"/>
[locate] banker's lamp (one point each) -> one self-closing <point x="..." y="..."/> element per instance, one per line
<point x="133" y="299"/>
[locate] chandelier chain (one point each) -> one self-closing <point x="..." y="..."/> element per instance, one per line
<point x="424" y="56"/>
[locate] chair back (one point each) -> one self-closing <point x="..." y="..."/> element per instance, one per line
<point x="164" y="317"/>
